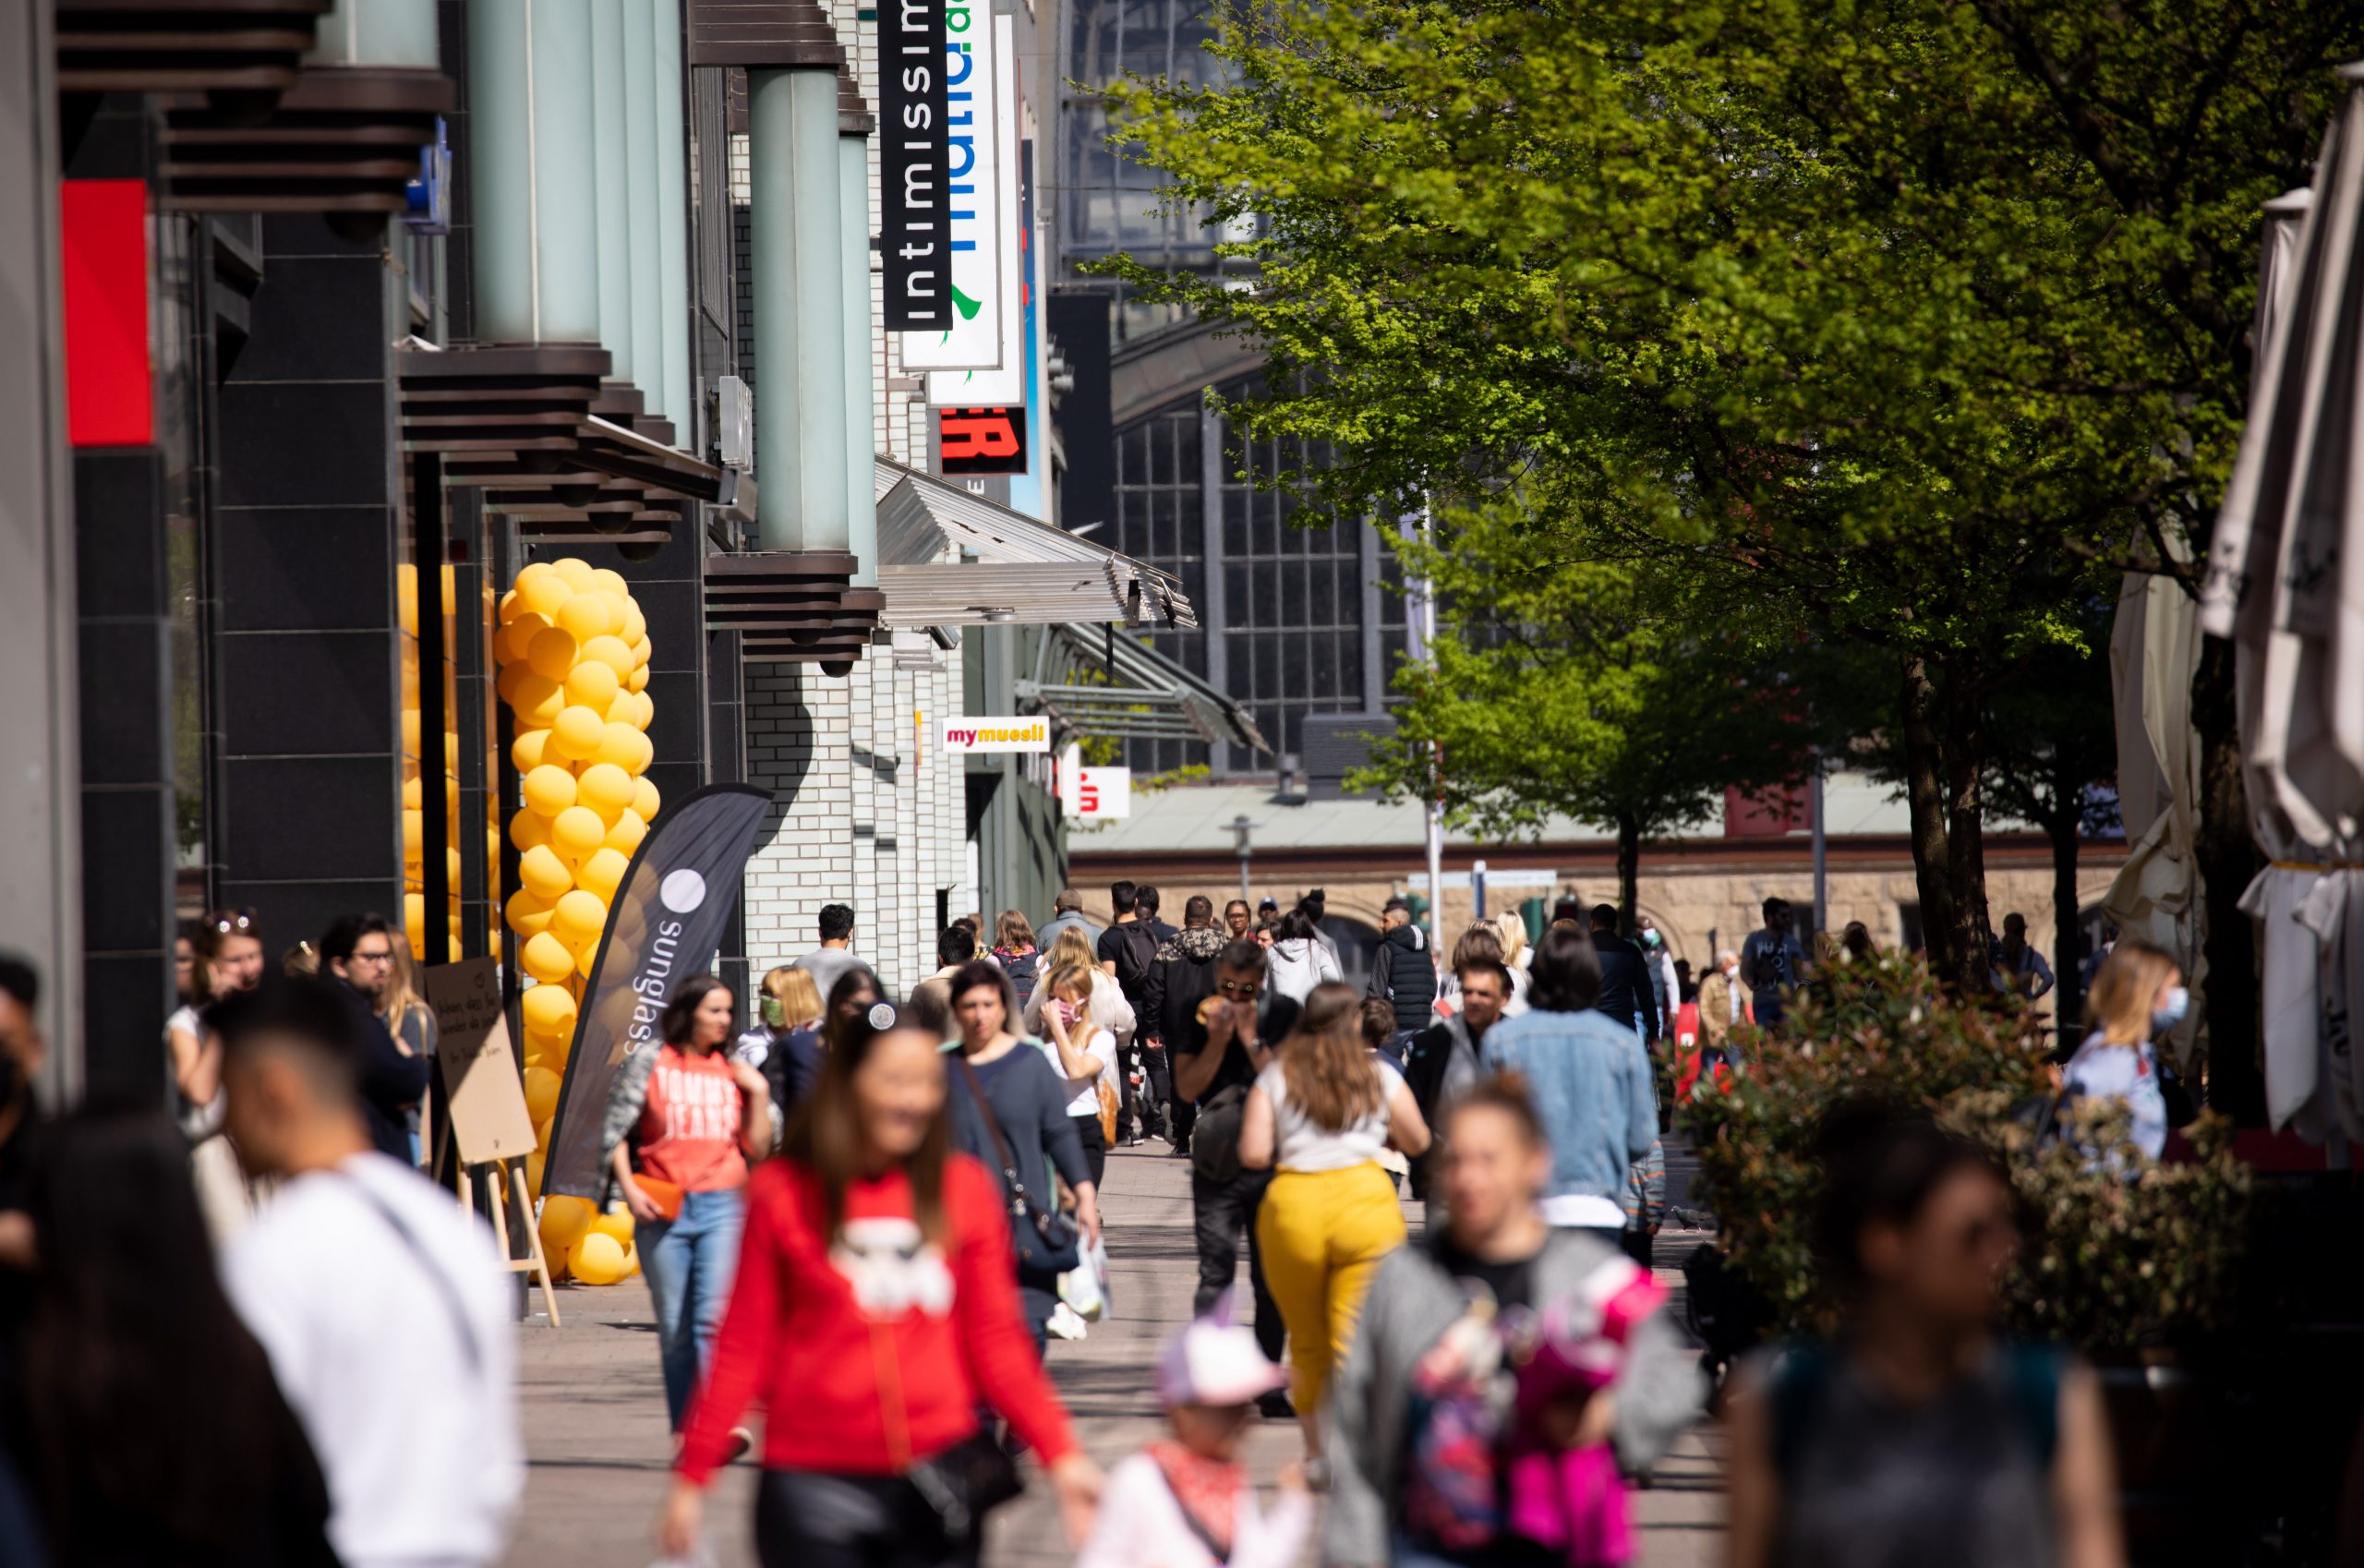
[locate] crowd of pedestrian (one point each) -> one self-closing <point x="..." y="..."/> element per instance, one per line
<point x="223" y="1325"/>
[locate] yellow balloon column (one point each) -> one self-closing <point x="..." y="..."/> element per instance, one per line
<point x="573" y="655"/>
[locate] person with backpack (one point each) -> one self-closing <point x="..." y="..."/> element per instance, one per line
<point x="1299" y="963"/>
<point x="1915" y="1434"/>
<point x="1403" y="971"/>
<point x="1442" y="1061"/>
<point x="1181" y="977"/>
<point x="1434" y="1419"/>
<point x="1127" y="951"/>
<point x="1014" y="949"/>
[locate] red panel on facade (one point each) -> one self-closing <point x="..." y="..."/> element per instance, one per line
<point x="1769" y="815"/>
<point x="109" y="390"/>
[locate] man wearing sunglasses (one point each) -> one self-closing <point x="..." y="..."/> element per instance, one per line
<point x="1219" y="1043"/>
<point x="359" y="951"/>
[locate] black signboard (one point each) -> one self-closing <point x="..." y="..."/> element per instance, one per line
<point x="915" y="165"/>
<point x="982" y="440"/>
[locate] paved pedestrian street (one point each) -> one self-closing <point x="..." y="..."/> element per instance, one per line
<point x="593" y="1408"/>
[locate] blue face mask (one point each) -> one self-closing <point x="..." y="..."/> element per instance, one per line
<point x="2171" y="1012"/>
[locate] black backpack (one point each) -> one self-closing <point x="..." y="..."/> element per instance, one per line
<point x="1135" y="950"/>
<point x="1022" y="970"/>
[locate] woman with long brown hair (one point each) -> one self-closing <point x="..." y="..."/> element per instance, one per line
<point x="874" y="1311"/>
<point x="1322" y="1113"/>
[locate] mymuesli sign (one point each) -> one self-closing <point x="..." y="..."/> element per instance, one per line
<point x="978" y="735"/>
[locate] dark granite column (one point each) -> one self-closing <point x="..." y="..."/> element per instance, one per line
<point x="310" y="508"/>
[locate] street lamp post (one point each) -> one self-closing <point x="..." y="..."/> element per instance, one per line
<point x="1240" y="828"/>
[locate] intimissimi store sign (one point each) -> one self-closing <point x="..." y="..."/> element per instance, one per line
<point x="914" y="174"/>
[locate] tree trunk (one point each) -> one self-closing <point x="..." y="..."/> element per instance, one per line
<point x="2228" y="858"/>
<point x="1629" y="871"/>
<point x="1965" y="773"/>
<point x="1925" y="795"/>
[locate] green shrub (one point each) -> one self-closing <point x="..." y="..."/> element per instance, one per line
<point x="2121" y="1255"/>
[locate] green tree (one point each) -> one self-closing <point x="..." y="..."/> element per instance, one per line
<point x="1562" y="686"/>
<point x="1900" y="324"/>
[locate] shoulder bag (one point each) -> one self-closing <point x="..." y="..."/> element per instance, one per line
<point x="1045" y="1240"/>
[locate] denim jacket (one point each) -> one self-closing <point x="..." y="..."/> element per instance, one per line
<point x="1590" y="1080"/>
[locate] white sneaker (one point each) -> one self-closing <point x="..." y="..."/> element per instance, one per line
<point x="1066" y="1323"/>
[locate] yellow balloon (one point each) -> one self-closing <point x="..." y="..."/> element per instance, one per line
<point x="549" y="790"/>
<point x="613" y="652"/>
<point x="546" y="1045"/>
<point x="534" y="1162"/>
<point x="585" y="955"/>
<point x="577" y="733"/>
<point x="414" y="909"/>
<point x="527" y="915"/>
<point x="565" y="1220"/>
<point x="579" y="918"/>
<point x="615" y="1223"/>
<point x="605" y="788"/>
<point x="513" y="677"/>
<point x="550" y="1009"/>
<point x="544" y="595"/>
<point x="574" y="572"/>
<point x="542" y="1134"/>
<point x="635" y="624"/>
<point x="553" y="653"/>
<point x="451" y="865"/>
<point x="537" y="701"/>
<point x="601" y="872"/>
<point x="546" y="958"/>
<point x="632" y="1262"/>
<point x="625" y="747"/>
<point x="507" y="609"/>
<point x="541" y="1093"/>
<point x="530" y="571"/>
<point x="411" y="797"/>
<point x="543" y="874"/>
<point x="637" y="681"/>
<point x="531" y="749"/>
<point x="640" y="652"/>
<point x="607" y="580"/>
<point x="646" y="801"/>
<point x="516" y="639"/>
<point x="576" y="831"/>
<point x="648" y="706"/>
<point x="624" y="708"/>
<point x="592" y="614"/>
<point x="597" y="1259"/>
<point x="527" y="829"/>
<point x="410" y="731"/>
<point x="626" y="834"/>
<point x="592" y="686"/>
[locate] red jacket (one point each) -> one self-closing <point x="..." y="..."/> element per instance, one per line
<point x="866" y="1390"/>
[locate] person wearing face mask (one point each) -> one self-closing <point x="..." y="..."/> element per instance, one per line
<point x="1723" y="1007"/>
<point x="2137" y="996"/>
<point x="1658" y="959"/>
<point x="683" y="1122"/>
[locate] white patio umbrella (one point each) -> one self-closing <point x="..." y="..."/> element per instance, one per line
<point x="2273" y="585"/>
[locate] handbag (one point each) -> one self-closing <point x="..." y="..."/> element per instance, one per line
<point x="1045" y="1240"/>
<point x="966" y="1481"/>
<point x="665" y="1195"/>
<point x="1107" y="1114"/>
<point x="1214" y="1136"/>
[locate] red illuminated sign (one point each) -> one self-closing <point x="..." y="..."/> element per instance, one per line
<point x="110" y="396"/>
<point x="983" y="441"/>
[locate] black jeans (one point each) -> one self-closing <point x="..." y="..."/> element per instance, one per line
<point x="806" y="1519"/>
<point x="1095" y="1145"/>
<point x="1221" y="1210"/>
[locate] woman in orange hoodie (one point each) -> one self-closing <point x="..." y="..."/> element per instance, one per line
<point x="874" y="1311"/>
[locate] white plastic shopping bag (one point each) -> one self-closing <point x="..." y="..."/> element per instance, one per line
<point x="1085" y="1288"/>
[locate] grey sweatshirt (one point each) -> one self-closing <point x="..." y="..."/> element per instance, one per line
<point x="1411" y="1304"/>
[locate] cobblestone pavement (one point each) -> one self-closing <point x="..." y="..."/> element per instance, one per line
<point x="594" y="1407"/>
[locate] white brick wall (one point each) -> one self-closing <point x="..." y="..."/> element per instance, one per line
<point x="864" y="813"/>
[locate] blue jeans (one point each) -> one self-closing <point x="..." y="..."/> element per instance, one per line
<point x="690" y="1264"/>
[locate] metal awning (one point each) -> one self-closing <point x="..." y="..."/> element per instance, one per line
<point x="1092" y="681"/>
<point x="950" y="558"/>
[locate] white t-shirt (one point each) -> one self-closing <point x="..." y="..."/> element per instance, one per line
<point x="1298" y="1145"/>
<point x="1101" y="1048"/>
<point x="386" y="1312"/>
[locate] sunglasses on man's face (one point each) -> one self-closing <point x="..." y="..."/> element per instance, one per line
<point x="1245" y="989"/>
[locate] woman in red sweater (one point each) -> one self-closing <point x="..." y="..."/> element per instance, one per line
<point x="874" y="1311"/>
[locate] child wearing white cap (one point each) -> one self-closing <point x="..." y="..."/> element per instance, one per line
<point x="1186" y="1501"/>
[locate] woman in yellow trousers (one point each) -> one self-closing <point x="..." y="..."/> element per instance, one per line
<point x="1321" y="1114"/>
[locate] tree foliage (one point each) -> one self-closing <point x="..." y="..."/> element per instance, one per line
<point x="1900" y="321"/>
<point x="1567" y="686"/>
